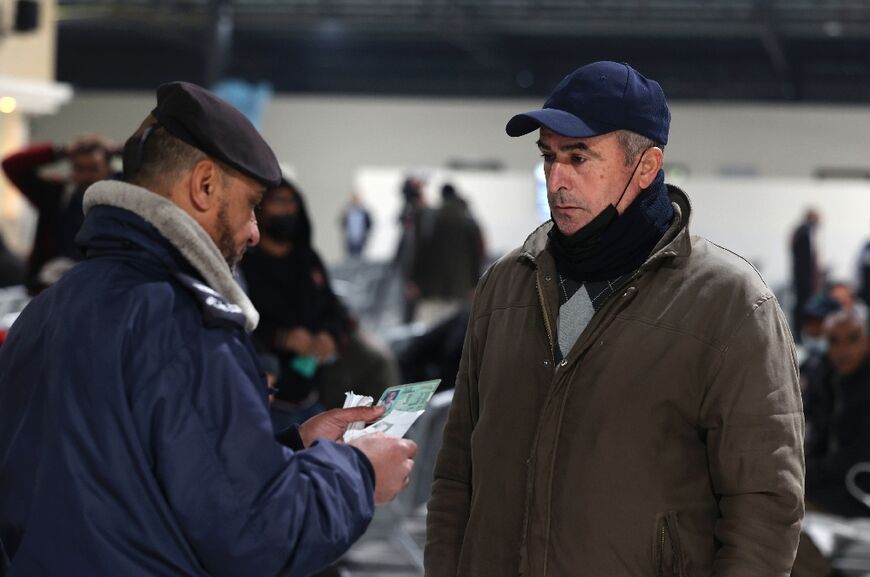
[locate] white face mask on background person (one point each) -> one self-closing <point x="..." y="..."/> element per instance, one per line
<point x="814" y="345"/>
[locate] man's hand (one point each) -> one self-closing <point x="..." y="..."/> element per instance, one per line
<point x="331" y="425"/>
<point x="392" y="460"/>
<point x="323" y="346"/>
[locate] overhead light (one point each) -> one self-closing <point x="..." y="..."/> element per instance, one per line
<point x="33" y="97"/>
<point x="8" y="105"/>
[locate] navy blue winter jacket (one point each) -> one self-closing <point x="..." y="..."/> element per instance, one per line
<point x="135" y="438"/>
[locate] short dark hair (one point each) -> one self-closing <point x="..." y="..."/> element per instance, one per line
<point x="88" y="148"/>
<point x="633" y="144"/>
<point x="448" y="191"/>
<point x="163" y="157"/>
<point x="854" y="316"/>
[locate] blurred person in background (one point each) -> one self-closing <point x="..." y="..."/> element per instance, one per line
<point x="302" y="322"/>
<point x="58" y="202"/>
<point x="134" y="431"/>
<point x="864" y="273"/>
<point x="814" y="346"/>
<point x="627" y="401"/>
<point x="447" y="259"/>
<point x="806" y="275"/>
<point x="837" y="405"/>
<point x="844" y="293"/>
<point x="413" y="221"/>
<point x="356" y="224"/>
<point x="436" y="353"/>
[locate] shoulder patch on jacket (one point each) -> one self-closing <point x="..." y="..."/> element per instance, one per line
<point x="216" y="311"/>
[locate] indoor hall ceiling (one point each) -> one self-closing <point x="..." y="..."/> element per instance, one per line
<point x="798" y="50"/>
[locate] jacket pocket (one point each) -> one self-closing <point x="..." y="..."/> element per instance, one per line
<point x="668" y="557"/>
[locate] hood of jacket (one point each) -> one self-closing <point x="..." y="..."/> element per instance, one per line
<point x="161" y="229"/>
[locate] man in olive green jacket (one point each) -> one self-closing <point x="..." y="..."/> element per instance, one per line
<point x="627" y="402"/>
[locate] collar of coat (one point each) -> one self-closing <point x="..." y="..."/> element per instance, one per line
<point x="674" y="243"/>
<point x="182" y="232"/>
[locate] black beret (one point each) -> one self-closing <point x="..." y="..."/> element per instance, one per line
<point x="201" y="119"/>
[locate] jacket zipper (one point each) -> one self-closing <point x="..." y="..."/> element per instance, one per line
<point x="546" y="318"/>
<point x="661" y="567"/>
<point x="676" y="561"/>
<point x="531" y="461"/>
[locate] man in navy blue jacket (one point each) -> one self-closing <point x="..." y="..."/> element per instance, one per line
<point x="134" y="431"/>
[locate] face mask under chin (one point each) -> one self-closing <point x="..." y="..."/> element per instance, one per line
<point x="814" y="345"/>
<point x="586" y="240"/>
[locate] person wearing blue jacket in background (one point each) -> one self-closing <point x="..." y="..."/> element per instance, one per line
<point x="134" y="429"/>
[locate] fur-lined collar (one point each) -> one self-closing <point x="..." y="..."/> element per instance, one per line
<point x="184" y="233"/>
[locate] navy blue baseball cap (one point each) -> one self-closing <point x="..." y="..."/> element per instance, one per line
<point x="599" y="98"/>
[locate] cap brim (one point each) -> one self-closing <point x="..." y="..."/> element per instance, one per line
<point x="558" y="121"/>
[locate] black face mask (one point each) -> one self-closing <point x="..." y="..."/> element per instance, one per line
<point x="282" y="228"/>
<point x="586" y="241"/>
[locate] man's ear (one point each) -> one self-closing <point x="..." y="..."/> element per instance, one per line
<point x="204" y="184"/>
<point x="650" y="164"/>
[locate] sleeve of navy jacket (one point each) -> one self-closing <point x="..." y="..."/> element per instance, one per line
<point x="247" y="505"/>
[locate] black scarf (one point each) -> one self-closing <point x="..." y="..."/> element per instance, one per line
<point x="622" y="246"/>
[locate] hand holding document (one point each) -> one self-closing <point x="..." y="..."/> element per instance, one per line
<point x="404" y="404"/>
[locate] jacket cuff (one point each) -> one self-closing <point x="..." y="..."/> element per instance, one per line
<point x="290" y="438"/>
<point x="367" y="465"/>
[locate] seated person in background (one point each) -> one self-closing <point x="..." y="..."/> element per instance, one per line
<point x="814" y="346"/>
<point x="844" y="293"/>
<point x="436" y="353"/>
<point x="836" y="407"/>
<point x="302" y="322"/>
<point x="58" y="202"/>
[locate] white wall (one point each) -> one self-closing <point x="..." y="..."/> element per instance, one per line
<point x="503" y="204"/>
<point x="752" y="217"/>
<point x="329" y="139"/>
<point x="755" y="218"/>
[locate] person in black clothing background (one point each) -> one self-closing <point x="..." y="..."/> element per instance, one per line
<point x="864" y="273"/>
<point x="436" y="353"/>
<point x="302" y="322"/>
<point x="836" y="405"/>
<point x="806" y="272"/>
